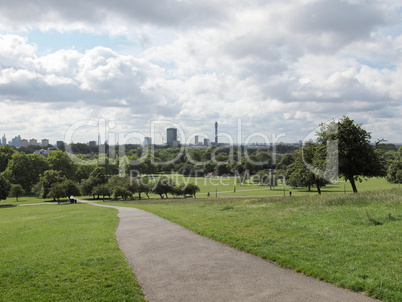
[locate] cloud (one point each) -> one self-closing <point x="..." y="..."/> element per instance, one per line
<point x="279" y="66"/>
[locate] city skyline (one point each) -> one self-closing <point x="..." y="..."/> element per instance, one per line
<point x="280" y="67"/>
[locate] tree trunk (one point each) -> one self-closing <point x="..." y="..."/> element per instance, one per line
<point x="353" y="184"/>
<point x="139" y="195"/>
<point x="318" y="188"/>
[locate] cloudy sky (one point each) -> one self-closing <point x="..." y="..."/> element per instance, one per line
<point x="273" y="69"/>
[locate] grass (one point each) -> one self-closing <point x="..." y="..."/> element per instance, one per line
<point x="63" y="253"/>
<point x="329" y="237"/>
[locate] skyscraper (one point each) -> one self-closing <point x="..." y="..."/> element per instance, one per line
<point x="216" y="133"/>
<point x="4" y="140"/>
<point x="171" y="137"/>
<point x="196" y="140"/>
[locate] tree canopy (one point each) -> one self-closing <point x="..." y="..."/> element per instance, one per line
<point x="357" y="157"/>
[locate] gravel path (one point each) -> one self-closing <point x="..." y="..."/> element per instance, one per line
<point x="174" y="264"/>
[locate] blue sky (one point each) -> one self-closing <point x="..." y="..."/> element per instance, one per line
<point x="281" y="68"/>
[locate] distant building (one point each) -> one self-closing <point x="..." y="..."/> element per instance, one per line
<point x="16" y="141"/>
<point x="4" y="140"/>
<point x="92" y="143"/>
<point x="24" y="143"/>
<point x="58" y="143"/>
<point x="196" y="140"/>
<point x="147" y="141"/>
<point x="33" y="142"/>
<point x="45" y="142"/>
<point x="207" y="142"/>
<point x="43" y="152"/>
<point x="216" y="133"/>
<point x="171" y="134"/>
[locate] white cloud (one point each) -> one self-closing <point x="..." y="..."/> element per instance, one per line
<point x="280" y="66"/>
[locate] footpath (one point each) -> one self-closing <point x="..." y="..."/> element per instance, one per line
<point x="174" y="264"/>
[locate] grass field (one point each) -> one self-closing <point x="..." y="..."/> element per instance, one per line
<point x="329" y="237"/>
<point x="63" y="253"/>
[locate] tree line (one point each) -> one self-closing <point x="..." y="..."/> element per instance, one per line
<point x="354" y="157"/>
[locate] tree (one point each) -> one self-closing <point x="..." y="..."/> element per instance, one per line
<point x="96" y="178"/>
<point x="102" y="190"/>
<point x="39" y="165"/>
<point x="163" y="186"/>
<point x="71" y="188"/>
<point x="5" y="188"/>
<point x="190" y="189"/>
<point x="393" y="170"/>
<point x="46" y="182"/>
<point x="6" y="152"/>
<point x="57" y="191"/>
<point x="144" y="186"/>
<point x="20" y="171"/>
<point x="59" y="161"/>
<point x="356" y="156"/>
<point x="16" y="191"/>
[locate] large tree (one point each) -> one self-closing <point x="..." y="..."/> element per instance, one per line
<point x="6" y="152"/>
<point x="20" y="171"/>
<point x="59" y="161"/>
<point x="357" y="157"/>
<point x="47" y="181"/>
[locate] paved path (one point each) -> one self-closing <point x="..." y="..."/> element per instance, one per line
<point x="174" y="264"/>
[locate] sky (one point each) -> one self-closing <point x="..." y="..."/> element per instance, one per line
<point x="266" y="71"/>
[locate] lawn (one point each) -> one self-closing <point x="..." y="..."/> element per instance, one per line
<point x="63" y="253"/>
<point x="332" y="237"/>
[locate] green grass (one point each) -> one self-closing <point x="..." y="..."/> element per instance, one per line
<point x="329" y="237"/>
<point x="63" y="253"/>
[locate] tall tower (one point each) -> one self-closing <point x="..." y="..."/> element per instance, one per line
<point x="216" y="132"/>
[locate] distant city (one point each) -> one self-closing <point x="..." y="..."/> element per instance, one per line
<point x="171" y="141"/>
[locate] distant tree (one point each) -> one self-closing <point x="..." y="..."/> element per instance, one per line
<point x="393" y="170"/>
<point x="163" y="186"/>
<point x="96" y="178"/>
<point x="20" y="171"/>
<point x="46" y="182"/>
<point x="71" y="188"/>
<point x="16" y="191"/>
<point x="57" y="191"/>
<point x="6" y="153"/>
<point x="102" y="190"/>
<point x="59" y="161"/>
<point x="190" y="189"/>
<point x="5" y="187"/>
<point x="144" y="185"/>
<point x="39" y="165"/>
<point x="357" y="157"/>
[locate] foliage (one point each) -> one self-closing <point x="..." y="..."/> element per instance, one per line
<point x="20" y="171"/>
<point x="16" y="191"/>
<point x="6" y="153"/>
<point x="5" y="187"/>
<point x="356" y="156"/>
<point x="394" y="173"/>
<point x="59" y="161"/>
<point x="163" y="186"/>
<point x="71" y="188"/>
<point x="102" y="190"/>
<point x="190" y="189"/>
<point x="46" y="182"/>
